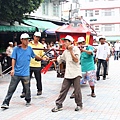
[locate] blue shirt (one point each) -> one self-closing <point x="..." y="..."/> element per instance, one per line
<point x="87" y="60"/>
<point x="22" y="58"/>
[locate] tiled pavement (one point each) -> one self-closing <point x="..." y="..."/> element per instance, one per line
<point x="106" y="106"/>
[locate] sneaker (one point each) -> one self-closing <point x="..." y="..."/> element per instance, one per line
<point x="72" y="96"/>
<point x="39" y="93"/>
<point x="98" y="78"/>
<point x="22" y="95"/>
<point x="57" y="108"/>
<point x="28" y="104"/>
<point x="5" y="106"/>
<point x="78" y="108"/>
<point x="104" y="78"/>
<point x="93" y="95"/>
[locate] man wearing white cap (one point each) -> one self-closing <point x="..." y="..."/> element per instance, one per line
<point x="72" y="74"/>
<point x="102" y="56"/>
<point x="35" y="66"/>
<point x="87" y="65"/>
<point x="20" y="70"/>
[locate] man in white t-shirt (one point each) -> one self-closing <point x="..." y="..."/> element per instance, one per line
<point x="117" y="49"/>
<point x="102" y="56"/>
<point x="72" y="74"/>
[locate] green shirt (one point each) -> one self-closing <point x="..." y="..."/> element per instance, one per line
<point x="87" y="60"/>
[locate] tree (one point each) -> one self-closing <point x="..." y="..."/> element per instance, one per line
<point x="15" y="10"/>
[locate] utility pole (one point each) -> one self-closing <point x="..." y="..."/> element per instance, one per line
<point x="70" y="15"/>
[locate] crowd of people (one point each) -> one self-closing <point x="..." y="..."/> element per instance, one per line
<point x="80" y="65"/>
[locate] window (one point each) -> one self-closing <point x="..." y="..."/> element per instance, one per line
<point x="108" y="28"/>
<point x="93" y="20"/>
<point x="96" y="27"/>
<point x="96" y="12"/>
<point x="45" y="8"/>
<point x="89" y="13"/>
<point x="108" y="12"/>
<point x="56" y="10"/>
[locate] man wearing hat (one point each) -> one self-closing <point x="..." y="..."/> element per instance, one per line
<point x="87" y="65"/>
<point x="20" y="70"/>
<point x="72" y="74"/>
<point x="35" y="66"/>
<point x="102" y="56"/>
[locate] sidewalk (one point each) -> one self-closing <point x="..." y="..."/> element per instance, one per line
<point x="105" y="106"/>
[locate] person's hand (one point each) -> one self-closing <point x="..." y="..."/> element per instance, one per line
<point x="82" y="49"/>
<point x="107" y="59"/>
<point x="96" y="59"/>
<point x="12" y="73"/>
<point x="53" y="60"/>
<point x="45" y="58"/>
<point x="70" y="47"/>
<point x="37" y="58"/>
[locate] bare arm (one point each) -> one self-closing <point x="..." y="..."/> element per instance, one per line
<point x="38" y="58"/>
<point x="13" y="65"/>
<point x="74" y="57"/>
<point x="87" y="51"/>
<point x="41" y="58"/>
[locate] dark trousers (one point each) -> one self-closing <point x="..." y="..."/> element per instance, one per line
<point x="13" y="85"/>
<point x="64" y="90"/>
<point x="37" y="73"/>
<point x="9" y="63"/>
<point x="116" y="55"/>
<point x="104" y="64"/>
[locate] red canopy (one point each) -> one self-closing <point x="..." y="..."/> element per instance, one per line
<point x="71" y="29"/>
<point x="77" y="31"/>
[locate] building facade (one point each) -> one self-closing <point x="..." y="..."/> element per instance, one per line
<point x="49" y="9"/>
<point x="57" y="9"/>
<point x="103" y="16"/>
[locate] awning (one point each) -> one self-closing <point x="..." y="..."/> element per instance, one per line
<point x="9" y="28"/>
<point x="112" y="38"/>
<point x="41" y="25"/>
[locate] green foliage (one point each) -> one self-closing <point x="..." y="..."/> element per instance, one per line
<point x="14" y="10"/>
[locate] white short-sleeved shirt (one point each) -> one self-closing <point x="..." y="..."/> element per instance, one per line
<point x="73" y="69"/>
<point x="103" y="51"/>
<point x="117" y="46"/>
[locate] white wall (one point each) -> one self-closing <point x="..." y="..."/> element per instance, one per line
<point x="100" y="5"/>
<point x="39" y="12"/>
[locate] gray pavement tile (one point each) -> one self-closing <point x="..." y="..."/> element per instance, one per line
<point x="104" y="107"/>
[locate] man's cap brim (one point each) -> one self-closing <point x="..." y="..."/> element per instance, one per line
<point x="64" y="39"/>
<point x="26" y="38"/>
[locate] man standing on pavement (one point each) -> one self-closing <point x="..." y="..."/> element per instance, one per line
<point x="102" y="56"/>
<point x="20" y="70"/>
<point x="35" y="66"/>
<point x="116" y="50"/>
<point x="72" y="74"/>
<point x="87" y="65"/>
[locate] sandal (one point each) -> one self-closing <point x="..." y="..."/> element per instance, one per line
<point x="93" y="95"/>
